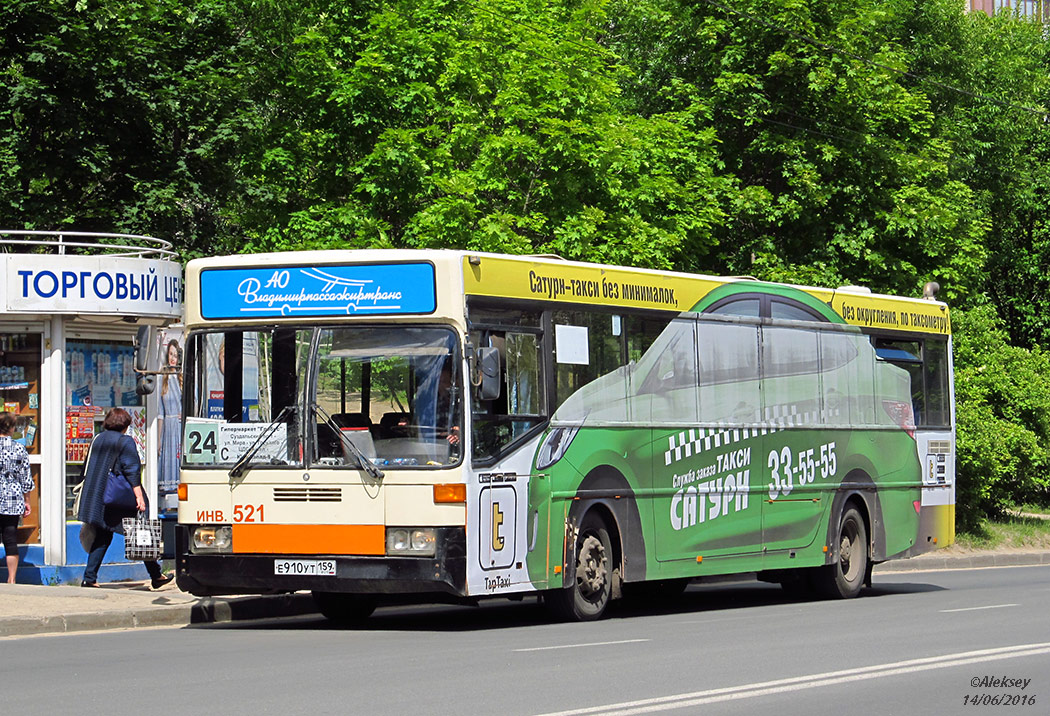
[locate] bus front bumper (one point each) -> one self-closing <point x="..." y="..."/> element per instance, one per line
<point x="206" y="575"/>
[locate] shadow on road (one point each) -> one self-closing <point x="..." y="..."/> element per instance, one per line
<point x="495" y="614"/>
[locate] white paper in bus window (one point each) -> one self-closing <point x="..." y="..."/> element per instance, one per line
<point x="571" y="345"/>
<point x="214" y="442"/>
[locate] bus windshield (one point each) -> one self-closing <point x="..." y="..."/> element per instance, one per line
<point x="394" y="393"/>
<point x="324" y="396"/>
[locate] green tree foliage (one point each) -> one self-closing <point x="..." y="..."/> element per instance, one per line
<point x="840" y="171"/>
<point x="1003" y="418"/>
<point x="1009" y="154"/>
<point x="877" y="142"/>
<point x="118" y="116"/>
<point x="493" y="125"/>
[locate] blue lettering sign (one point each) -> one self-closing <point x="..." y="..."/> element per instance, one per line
<point x="314" y="291"/>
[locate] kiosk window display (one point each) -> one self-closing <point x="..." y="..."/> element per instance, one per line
<point x="20" y="392"/>
<point x="99" y="376"/>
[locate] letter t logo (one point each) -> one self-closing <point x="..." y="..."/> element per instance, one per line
<point x="497" y="521"/>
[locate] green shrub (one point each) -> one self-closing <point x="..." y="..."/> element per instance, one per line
<point x="1002" y="416"/>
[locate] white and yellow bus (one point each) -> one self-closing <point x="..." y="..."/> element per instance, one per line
<point x="370" y="423"/>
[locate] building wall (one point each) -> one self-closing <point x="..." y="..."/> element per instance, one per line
<point x="1025" y="8"/>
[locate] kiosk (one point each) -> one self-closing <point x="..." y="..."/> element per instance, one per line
<point x="70" y="307"/>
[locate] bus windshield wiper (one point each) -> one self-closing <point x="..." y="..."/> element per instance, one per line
<point x="242" y="463"/>
<point x="362" y="459"/>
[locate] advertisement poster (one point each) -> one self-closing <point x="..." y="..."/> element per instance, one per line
<point x="100" y="374"/>
<point x="137" y="430"/>
<point x="169" y="418"/>
<point x="80" y="429"/>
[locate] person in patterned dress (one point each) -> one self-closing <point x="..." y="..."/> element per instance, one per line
<point x="15" y="483"/>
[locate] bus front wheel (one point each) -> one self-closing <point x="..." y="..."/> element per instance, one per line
<point x="844" y="578"/>
<point x="586" y="598"/>
<point x="344" y="609"/>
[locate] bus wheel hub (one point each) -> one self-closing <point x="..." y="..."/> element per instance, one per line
<point x="590" y="570"/>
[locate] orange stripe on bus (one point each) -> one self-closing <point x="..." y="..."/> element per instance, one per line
<point x="309" y="539"/>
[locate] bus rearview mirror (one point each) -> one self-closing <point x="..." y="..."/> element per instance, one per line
<point x="143" y="342"/>
<point x="488" y="367"/>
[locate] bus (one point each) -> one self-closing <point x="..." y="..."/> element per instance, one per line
<point x="457" y="425"/>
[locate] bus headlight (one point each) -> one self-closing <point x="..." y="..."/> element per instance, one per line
<point x="411" y="541"/>
<point x="555" y="445"/>
<point x="213" y="539"/>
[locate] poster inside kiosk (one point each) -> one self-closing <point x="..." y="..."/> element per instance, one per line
<point x="211" y="442"/>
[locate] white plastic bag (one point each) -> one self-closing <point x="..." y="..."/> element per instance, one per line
<point x="141" y="538"/>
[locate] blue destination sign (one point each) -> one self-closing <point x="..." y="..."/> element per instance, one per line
<point x="315" y="291"/>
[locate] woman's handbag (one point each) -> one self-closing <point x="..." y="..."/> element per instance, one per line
<point x="119" y="492"/>
<point x="88" y="532"/>
<point x="141" y="538"/>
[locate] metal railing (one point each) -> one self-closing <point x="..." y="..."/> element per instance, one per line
<point x="56" y="242"/>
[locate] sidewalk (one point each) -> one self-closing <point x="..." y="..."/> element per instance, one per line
<point x="30" y="609"/>
<point x="968" y="560"/>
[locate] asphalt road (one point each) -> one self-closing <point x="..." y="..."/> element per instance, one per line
<point x="920" y="642"/>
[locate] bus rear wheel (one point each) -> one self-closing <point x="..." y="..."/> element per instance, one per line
<point x="344" y="609"/>
<point x="586" y="598"/>
<point x="844" y="578"/>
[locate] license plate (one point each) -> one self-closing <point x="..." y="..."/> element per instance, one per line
<point x="311" y="567"/>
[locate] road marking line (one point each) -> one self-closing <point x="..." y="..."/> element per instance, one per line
<point x="577" y="646"/>
<point x="974" y="609"/>
<point x="831" y="678"/>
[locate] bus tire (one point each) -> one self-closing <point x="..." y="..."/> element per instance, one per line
<point x="844" y="578"/>
<point x="588" y="595"/>
<point x="344" y="609"/>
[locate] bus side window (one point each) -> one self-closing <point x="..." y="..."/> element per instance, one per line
<point x="935" y="370"/>
<point x="670" y="361"/>
<point x="524" y="379"/>
<point x="907" y="355"/>
<point x="729" y="376"/>
<point x="845" y="364"/>
<point x="791" y="374"/>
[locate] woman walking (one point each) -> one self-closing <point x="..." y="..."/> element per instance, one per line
<point x="111" y="450"/>
<point x="15" y="483"/>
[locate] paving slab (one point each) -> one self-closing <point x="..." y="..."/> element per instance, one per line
<point x="32" y="609"/>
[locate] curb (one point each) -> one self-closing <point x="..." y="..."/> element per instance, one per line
<point x="984" y="559"/>
<point x="208" y="610"/>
